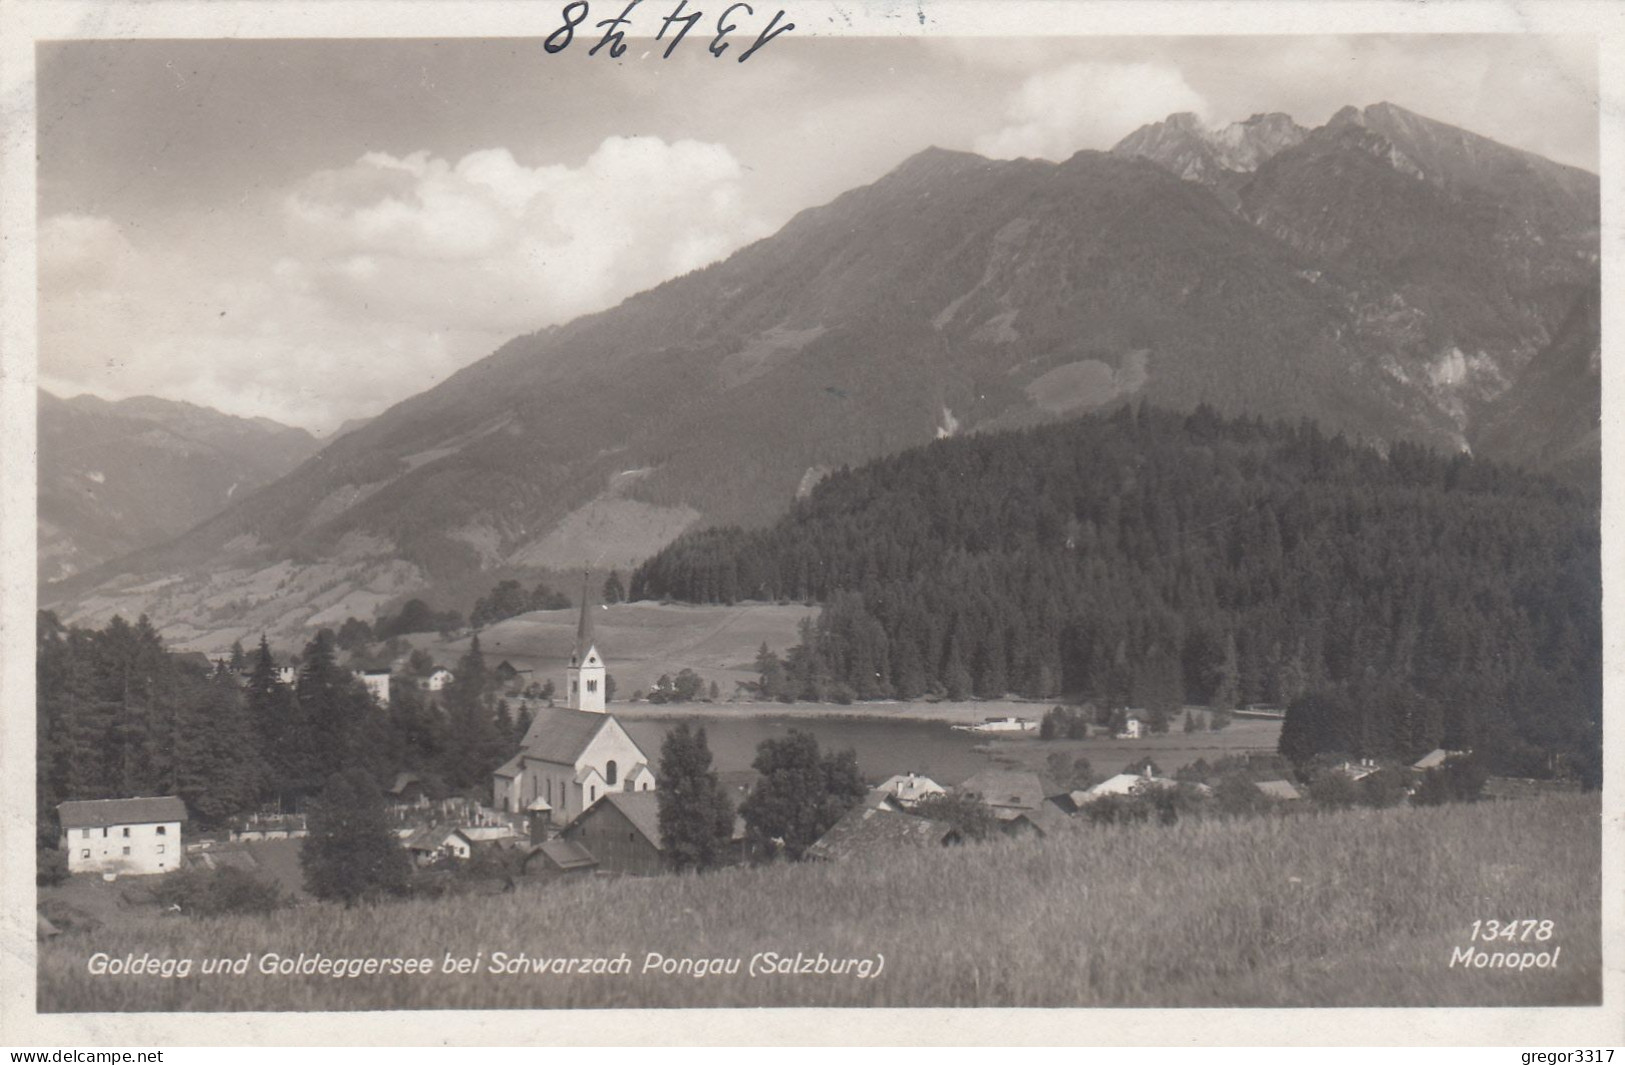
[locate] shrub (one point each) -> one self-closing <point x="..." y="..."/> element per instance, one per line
<point x="215" y="892"/>
<point x="50" y="866"/>
<point x="1333" y="790"/>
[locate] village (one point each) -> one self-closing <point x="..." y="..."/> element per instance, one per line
<point x="581" y="798"/>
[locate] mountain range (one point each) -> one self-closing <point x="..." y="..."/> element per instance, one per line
<point x="118" y="476"/>
<point x="1387" y="275"/>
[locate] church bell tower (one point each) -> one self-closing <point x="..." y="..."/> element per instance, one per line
<point x="584" y="679"/>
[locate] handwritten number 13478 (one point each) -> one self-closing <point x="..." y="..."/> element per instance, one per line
<point x="614" y="37"/>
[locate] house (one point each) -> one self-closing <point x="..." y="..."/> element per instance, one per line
<point x="909" y="788"/>
<point x="1358" y="770"/>
<point x="438" y="679"/>
<point x="436" y="841"/>
<point x="1280" y="790"/>
<point x="558" y="857"/>
<point x="867" y="832"/>
<point x="407" y="790"/>
<point x="1049" y="818"/>
<point x="511" y="676"/>
<point x="1134" y="727"/>
<point x="193" y="659"/>
<point x="572" y="756"/>
<point x="622" y="831"/>
<point x="133" y="837"/>
<point x="1437" y="758"/>
<point x="1122" y="784"/>
<point x="1008" y="792"/>
<point x="377" y="683"/>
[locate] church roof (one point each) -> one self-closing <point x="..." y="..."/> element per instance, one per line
<point x="560" y="735"/>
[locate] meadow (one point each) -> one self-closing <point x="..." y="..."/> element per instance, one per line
<point x="1355" y="908"/>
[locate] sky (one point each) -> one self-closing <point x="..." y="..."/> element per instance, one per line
<point x="313" y="230"/>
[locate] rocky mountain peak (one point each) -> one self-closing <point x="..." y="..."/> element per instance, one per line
<point x="1183" y="144"/>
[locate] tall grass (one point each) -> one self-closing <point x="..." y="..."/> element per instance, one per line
<point x="1355" y="908"/>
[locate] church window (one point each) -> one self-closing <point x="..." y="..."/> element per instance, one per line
<point x="575" y="686"/>
<point x="592" y="685"/>
<point x="592" y="794"/>
<point x="609" y="773"/>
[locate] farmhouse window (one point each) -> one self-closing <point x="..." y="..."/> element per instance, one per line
<point x="104" y="832"/>
<point x="84" y="833"/>
<point x="126" y="833"/>
<point x="161" y="831"/>
<point x="160" y="848"/>
<point x="86" y="852"/>
<point x="126" y="852"/>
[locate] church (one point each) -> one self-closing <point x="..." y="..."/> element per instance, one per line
<point x="573" y="755"/>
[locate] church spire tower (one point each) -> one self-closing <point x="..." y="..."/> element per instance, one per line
<point x="585" y="678"/>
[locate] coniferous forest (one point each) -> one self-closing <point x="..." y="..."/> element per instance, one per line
<point x="1393" y="602"/>
<point x="118" y="715"/>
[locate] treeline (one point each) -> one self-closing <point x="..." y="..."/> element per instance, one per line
<point x="118" y="716"/>
<point x="1398" y="602"/>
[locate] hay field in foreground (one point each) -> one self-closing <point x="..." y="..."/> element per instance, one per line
<point x="1360" y="908"/>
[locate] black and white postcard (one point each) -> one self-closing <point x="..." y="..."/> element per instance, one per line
<point x="633" y="505"/>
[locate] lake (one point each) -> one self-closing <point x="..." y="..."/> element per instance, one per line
<point x="886" y="746"/>
<point x="883" y="747"/>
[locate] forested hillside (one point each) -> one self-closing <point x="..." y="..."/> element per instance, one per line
<point x="1397" y="602"/>
<point x="118" y="715"/>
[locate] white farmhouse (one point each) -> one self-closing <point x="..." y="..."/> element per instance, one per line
<point x="377" y="682"/>
<point x="574" y="755"/>
<point x="438" y="679"/>
<point x="131" y="837"/>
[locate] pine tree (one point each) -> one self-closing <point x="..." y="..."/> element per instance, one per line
<point x="350" y="852"/>
<point x="696" y="818"/>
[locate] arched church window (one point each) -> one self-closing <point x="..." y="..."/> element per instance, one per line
<point x="609" y="773"/>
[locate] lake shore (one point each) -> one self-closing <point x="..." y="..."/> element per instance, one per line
<point x="952" y="713"/>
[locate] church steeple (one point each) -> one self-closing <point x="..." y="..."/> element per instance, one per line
<point x="585" y="679"/>
<point x="584" y="635"/>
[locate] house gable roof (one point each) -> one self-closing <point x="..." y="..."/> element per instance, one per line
<point x="1278" y="789"/>
<point x="1012" y="788"/>
<point x="867" y="831"/>
<point x="99" y="813"/>
<point x="566" y="854"/>
<point x="641" y="808"/>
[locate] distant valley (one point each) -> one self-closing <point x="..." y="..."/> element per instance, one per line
<point x="116" y="477"/>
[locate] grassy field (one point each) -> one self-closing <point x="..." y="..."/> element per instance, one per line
<point x="643" y="640"/>
<point x="1362" y="908"/>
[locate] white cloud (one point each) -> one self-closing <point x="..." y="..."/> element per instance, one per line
<point x="1057" y="112"/>
<point x="379" y="278"/>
